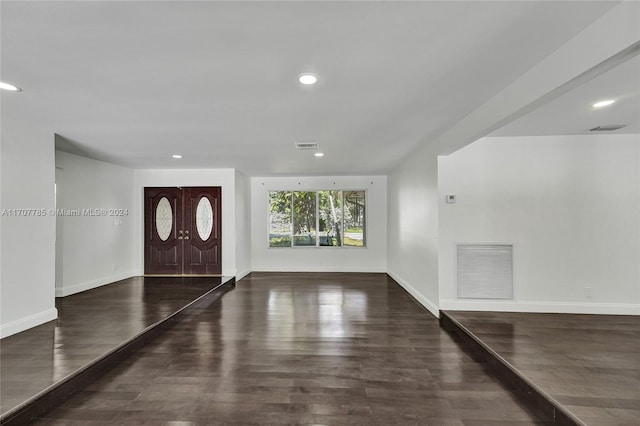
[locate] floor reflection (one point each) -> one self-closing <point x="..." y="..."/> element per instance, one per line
<point x="300" y="348"/>
<point x="89" y="325"/>
<point x="323" y="311"/>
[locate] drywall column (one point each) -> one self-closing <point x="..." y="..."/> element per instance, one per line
<point x="27" y="263"/>
<point x="243" y="224"/>
<point x="413" y="227"/>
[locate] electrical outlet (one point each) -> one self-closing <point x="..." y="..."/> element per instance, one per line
<point x="587" y="292"/>
<point x="115" y="267"/>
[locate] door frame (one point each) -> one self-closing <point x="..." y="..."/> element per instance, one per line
<point x="184" y="196"/>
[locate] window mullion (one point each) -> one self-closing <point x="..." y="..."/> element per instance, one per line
<point x="317" y="218"/>
<point x="293" y="237"/>
<point x="364" y="222"/>
<point x="342" y="206"/>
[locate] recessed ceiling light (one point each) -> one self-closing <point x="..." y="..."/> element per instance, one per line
<point x="603" y="103"/>
<point x="176" y="156"/>
<point x="9" y="87"/>
<point x="307" y="79"/>
<point x="319" y="154"/>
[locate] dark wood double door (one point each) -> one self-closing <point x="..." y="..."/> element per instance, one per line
<point x="182" y="231"/>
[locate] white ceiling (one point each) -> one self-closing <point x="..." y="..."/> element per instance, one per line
<point x="134" y="82"/>
<point x="573" y="113"/>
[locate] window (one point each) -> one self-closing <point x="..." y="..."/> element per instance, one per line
<point x="317" y="218"/>
<point x="280" y="219"/>
<point x="304" y="218"/>
<point x="354" y="218"/>
<point x="330" y="222"/>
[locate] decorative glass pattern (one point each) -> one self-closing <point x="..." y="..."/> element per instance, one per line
<point x="164" y="219"/>
<point x="204" y="218"/>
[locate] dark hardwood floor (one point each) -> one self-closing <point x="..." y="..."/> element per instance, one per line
<point x="590" y="364"/>
<point x="89" y="325"/>
<point x="300" y="348"/>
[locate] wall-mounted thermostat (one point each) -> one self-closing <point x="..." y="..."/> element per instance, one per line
<point x="451" y="198"/>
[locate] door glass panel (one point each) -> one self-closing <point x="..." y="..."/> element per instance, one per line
<point x="164" y="219"/>
<point x="204" y="218"/>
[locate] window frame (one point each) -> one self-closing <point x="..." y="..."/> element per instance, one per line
<point x="317" y="217"/>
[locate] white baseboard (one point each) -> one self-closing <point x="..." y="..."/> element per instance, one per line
<point x="541" y="307"/>
<point x="424" y="301"/>
<point x="26" y="323"/>
<point x="241" y="275"/>
<point x="88" y="285"/>
<point x="321" y="269"/>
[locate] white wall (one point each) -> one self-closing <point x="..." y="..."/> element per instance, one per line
<point x="413" y="251"/>
<point x="27" y="265"/>
<point x="243" y="225"/>
<point x="413" y="227"/>
<point x="224" y="178"/>
<point x="569" y="204"/>
<point x="93" y="250"/>
<point x="373" y="258"/>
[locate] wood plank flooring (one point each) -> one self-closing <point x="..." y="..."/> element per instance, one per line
<point x="89" y="325"/>
<point x="300" y="348"/>
<point x="590" y="364"/>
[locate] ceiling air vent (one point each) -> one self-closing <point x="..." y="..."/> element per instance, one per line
<point x="608" y="128"/>
<point x="307" y="145"/>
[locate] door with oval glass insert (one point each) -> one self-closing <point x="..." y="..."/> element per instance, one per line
<point x="182" y="231"/>
<point x="202" y="224"/>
